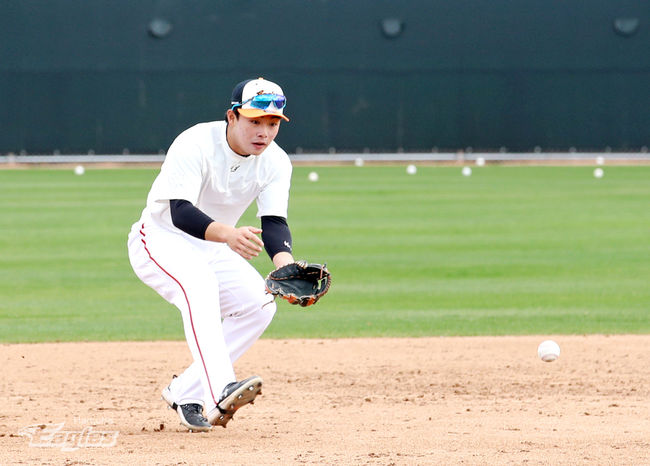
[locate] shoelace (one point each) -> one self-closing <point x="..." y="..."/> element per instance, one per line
<point x="194" y="408"/>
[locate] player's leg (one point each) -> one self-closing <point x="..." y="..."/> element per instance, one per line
<point x="177" y="270"/>
<point x="247" y="309"/>
<point x="187" y="387"/>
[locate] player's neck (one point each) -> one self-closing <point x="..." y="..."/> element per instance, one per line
<point x="230" y="145"/>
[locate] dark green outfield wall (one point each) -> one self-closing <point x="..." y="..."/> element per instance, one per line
<point x="80" y="75"/>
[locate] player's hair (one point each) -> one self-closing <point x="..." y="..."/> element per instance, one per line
<point x="236" y="110"/>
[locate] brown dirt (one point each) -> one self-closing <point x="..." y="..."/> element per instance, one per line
<point x="478" y="400"/>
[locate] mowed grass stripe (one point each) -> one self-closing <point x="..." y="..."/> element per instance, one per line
<point x="508" y="250"/>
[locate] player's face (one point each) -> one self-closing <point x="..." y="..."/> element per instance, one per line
<point x="251" y="135"/>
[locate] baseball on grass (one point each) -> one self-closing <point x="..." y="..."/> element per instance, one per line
<point x="467" y="171"/>
<point x="548" y="351"/>
<point x="79" y="170"/>
<point x="411" y="169"/>
<point x="598" y="172"/>
<point x="313" y="176"/>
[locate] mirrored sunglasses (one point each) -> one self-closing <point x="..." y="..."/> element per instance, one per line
<point x="263" y="101"/>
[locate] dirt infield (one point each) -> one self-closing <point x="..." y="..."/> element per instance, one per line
<point x="359" y="401"/>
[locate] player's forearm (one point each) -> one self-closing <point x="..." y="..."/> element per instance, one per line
<point x="243" y="240"/>
<point x="195" y="222"/>
<point x="282" y="258"/>
<point x="277" y="240"/>
<point x="218" y="232"/>
<point x="186" y="217"/>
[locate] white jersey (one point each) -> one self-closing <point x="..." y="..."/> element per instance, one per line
<point x="201" y="168"/>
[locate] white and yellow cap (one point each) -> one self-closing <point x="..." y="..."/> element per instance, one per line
<point x="259" y="97"/>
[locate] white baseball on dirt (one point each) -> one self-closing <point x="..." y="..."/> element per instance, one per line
<point x="548" y="351"/>
<point x="480" y="161"/>
<point x="358" y="162"/>
<point x="313" y="176"/>
<point x="79" y="170"/>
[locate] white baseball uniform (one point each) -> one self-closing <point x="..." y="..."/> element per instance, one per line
<point x="221" y="297"/>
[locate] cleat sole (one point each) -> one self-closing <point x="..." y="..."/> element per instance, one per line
<point x="245" y="394"/>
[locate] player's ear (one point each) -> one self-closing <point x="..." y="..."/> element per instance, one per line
<point x="232" y="115"/>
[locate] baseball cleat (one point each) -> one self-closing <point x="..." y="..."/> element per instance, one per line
<point x="190" y="414"/>
<point x="234" y="396"/>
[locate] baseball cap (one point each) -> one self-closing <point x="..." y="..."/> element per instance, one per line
<point x="245" y="97"/>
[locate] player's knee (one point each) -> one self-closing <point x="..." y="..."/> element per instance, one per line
<point x="267" y="311"/>
<point x="261" y="310"/>
<point x="201" y="293"/>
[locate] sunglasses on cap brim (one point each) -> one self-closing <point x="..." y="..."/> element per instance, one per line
<point x="264" y="101"/>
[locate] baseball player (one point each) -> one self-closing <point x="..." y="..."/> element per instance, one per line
<point x="188" y="248"/>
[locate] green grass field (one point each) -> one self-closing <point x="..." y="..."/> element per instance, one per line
<point x="509" y="250"/>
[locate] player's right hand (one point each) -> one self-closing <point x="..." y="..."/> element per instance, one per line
<point x="245" y="242"/>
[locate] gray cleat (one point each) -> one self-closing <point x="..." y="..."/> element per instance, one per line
<point x="234" y="396"/>
<point x="191" y="414"/>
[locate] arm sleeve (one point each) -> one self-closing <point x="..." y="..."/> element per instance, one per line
<point x="275" y="235"/>
<point x="188" y="218"/>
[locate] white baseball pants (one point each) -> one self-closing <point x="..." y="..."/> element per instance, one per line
<point x="221" y="297"/>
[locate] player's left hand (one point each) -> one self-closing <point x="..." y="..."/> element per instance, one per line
<point x="299" y="282"/>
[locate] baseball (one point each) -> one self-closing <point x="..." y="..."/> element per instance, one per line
<point x="358" y="162"/>
<point x="598" y="173"/>
<point x="411" y="169"/>
<point x="313" y="176"/>
<point x="600" y="160"/>
<point x="548" y="351"/>
<point x="467" y="171"/>
<point x="480" y="161"/>
<point x="79" y="170"/>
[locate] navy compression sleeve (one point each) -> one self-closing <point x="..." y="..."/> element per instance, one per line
<point x="275" y="235"/>
<point x="188" y="218"/>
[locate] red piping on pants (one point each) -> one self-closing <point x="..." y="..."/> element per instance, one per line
<point x="188" y="307"/>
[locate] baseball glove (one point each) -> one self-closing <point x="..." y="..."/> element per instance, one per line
<point x="299" y="282"/>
